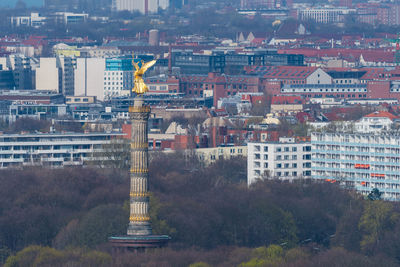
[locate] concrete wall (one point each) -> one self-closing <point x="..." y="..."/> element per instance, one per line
<point x="47" y="75"/>
<point x="89" y="77"/>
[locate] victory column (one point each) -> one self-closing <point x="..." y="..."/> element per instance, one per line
<point x="139" y="234"/>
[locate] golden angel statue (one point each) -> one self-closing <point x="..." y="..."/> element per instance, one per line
<point x="140" y="87"/>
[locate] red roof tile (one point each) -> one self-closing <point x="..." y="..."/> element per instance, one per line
<point x="382" y="114"/>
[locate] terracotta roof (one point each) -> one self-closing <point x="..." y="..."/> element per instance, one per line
<point x="286" y="100"/>
<point x="382" y="114"/>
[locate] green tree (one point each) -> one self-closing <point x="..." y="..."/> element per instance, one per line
<point x="159" y="226"/>
<point x="263" y="256"/>
<point x="46" y="256"/>
<point x="100" y="223"/>
<point x="375" y="194"/>
<point x="378" y="217"/>
<point x="200" y="264"/>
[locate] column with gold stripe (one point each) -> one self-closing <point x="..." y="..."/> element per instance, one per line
<point x="139" y="220"/>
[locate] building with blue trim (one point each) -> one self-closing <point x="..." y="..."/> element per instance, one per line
<point x="358" y="160"/>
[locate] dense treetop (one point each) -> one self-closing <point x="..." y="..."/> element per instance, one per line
<point x="66" y="215"/>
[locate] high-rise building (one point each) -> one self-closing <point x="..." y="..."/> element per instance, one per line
<point x="56" y="74"/>
<point x="286" y="159"/>
<point x="142" y="6"/>
<point x="358" y="160"/>
<point x="60" y="4"/>
<point x="22" y="71"/>
<point x="118" y="77"/>
<point x="67" y="80"/>
<point x="89" y="77"/>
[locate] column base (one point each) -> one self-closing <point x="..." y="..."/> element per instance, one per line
<point x="138" y="243"/>
<point x="139" y="229"/>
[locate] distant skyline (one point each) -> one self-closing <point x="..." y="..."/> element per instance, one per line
<point x="11" y="3"/>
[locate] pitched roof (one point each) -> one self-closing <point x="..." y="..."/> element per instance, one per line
<point x="382" y="114"/>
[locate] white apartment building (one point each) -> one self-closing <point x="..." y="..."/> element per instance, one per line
<point x="51" y="149"/>
<point x="34" y="20"/>
<point x="325" y="14"/>
<point x="212" y="154"/>
<point x="361" y="161"/>
<point x="118" y="77"/>
<point x="375" y="122"/>
<point x="117" y="83"/>
<point x="143" y="6"/>
<point x="286" y="159"/>
<point x="70" y="18"/>
<point x="56" y="74"/>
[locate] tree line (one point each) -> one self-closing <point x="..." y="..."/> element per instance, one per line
<point x="64" y="217"/>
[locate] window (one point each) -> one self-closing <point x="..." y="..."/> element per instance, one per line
<point x="279" y="157"/>
<point x="286" y="149"/>
<point x="265" y="165"/>
<point x="265" y="149"/>
<point x="279" y="165"/>
<point x="307" y="148"/>
<point x="307" y="165"/>
<point x="294" y="165"/>
<point x="294" y="149"/>
<point x="265" y="157"/>
<point x="307" y="156"/>
<point x="294" y="157"/>
<point x="286" y="157"/>
<point x="278" y="149"/>
<point x="257" y="156"/>
<point x="286" y="165"/>
<point x="294" y="173"/>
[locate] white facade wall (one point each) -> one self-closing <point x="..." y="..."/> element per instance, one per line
<point x="117" y="83"/>
<point x="47" y="75"/>
<point x="89" y="76"/>
<point x="324" y="15"/>
<point x="361" y="161"/>
<point x="283" y="160"/>
<point x="140" y="5"/>
<point x="130" y="5"/>
<point x="373" y="124"/>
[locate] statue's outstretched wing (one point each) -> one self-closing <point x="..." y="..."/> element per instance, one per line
<point x="136" y="65"/>
<point x="146" y="66"/>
